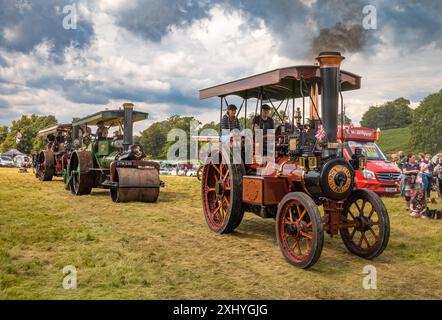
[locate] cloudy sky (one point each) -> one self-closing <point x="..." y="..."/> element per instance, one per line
<point x="159" y="53"/>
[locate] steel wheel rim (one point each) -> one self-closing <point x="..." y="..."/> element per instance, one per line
<point x="217" y="194"/>
<point x="296" y="231"/>
<point x="366" y="232"/>
<point x="76" y="179"/>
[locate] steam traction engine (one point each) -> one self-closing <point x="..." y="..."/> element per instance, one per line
<point x="309" y="169"/>
<point x="53" y="160"/>
<point x="113" y="163"/>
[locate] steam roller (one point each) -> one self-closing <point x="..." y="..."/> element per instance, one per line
<point x="51" y="161"/>
<point x="113" y="163"/>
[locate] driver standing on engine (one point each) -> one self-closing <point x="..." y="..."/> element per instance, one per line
<point x="264" y="122"/>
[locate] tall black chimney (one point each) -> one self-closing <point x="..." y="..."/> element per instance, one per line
<point x="128" y="125"/>
<point x="75" y="130"/>
<point x="330" y="63"/>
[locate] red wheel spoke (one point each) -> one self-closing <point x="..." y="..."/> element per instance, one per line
<point x="217" y="209"/>
<point x="216" y="168"/>
<point x="291" y="214"/>
<point x="225" y="198"/>
<point x="302" y="215"/>
<point x="299" y="249"/>
<point x="297" y="246"/>
<point x="221" y="170"/>
<point x="306" y="235"/>
<point x="310" y="224"/>
<point x="297" y="210"/>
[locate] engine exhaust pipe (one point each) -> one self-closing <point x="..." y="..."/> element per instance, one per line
<point x="330" y="63"/>
<point x="128" y="125"/>
<point x="75" y="130"/>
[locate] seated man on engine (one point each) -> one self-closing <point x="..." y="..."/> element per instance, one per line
<point x="102" y="131"/>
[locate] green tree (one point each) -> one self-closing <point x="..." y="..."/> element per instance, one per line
<point x="390" y="115"/>
<point x="3" y="133"/>
<point x="28" y="126"/>
<point x="211" y="125"/>
<point x="347" y="120"/>
<point x="154" y="138"/>
<point x="426" y="125"/>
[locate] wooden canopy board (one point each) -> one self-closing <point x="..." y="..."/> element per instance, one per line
<point x="54" y="130"/>
<point x="109" y="118"/>
<point x="278" y="84"/>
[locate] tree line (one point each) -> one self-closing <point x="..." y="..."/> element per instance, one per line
<point x="425" y="123"/>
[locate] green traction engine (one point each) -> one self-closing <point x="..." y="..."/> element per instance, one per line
<point x="113" y="163"/>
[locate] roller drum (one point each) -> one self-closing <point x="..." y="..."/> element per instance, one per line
<point x="136" y="184"/>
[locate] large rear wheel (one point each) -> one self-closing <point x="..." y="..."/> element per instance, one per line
<point x="80" y="179"/>
<point x="368" y="237"/>
<point x="45" y="166"/>
<point x="222" y="193"/>
<point x="299" y="230"/>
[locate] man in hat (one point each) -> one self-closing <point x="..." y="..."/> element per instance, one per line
<point x="264" y="121"/>
<point x="230" y="121"/>
<point x="102" y="131"/>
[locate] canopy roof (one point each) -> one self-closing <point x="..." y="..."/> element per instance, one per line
<point x="54" y="130"/>
<point x="110" y="118"/>
<point x="12" y="153"/>
<point x="277" y="84"/>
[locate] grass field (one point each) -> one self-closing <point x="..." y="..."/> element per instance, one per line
<point x="165" y="250"/>
<point x="394" y="140"/>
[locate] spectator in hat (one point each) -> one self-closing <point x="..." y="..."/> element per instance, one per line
<point x="230" y="120"/>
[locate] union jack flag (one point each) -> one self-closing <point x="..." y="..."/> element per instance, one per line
<point x="320" y="134"/>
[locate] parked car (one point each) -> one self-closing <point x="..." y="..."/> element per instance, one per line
<point x="22" y="161"/>
<point x="6" y="161"/>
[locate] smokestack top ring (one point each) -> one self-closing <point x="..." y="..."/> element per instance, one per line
<point x="330" y="59"/>
<point x="128" y="105"/>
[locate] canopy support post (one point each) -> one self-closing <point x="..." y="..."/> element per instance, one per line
<point x="220" y="116"/>
<point x="293" y="104"/>
<point x="245" y="111"/>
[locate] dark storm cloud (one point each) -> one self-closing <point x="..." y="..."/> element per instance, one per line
<point x="25" y="24"/>
<point x="152" y="19"/>
<point x="290" y="20"/>
<point x="324" y="25"/>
